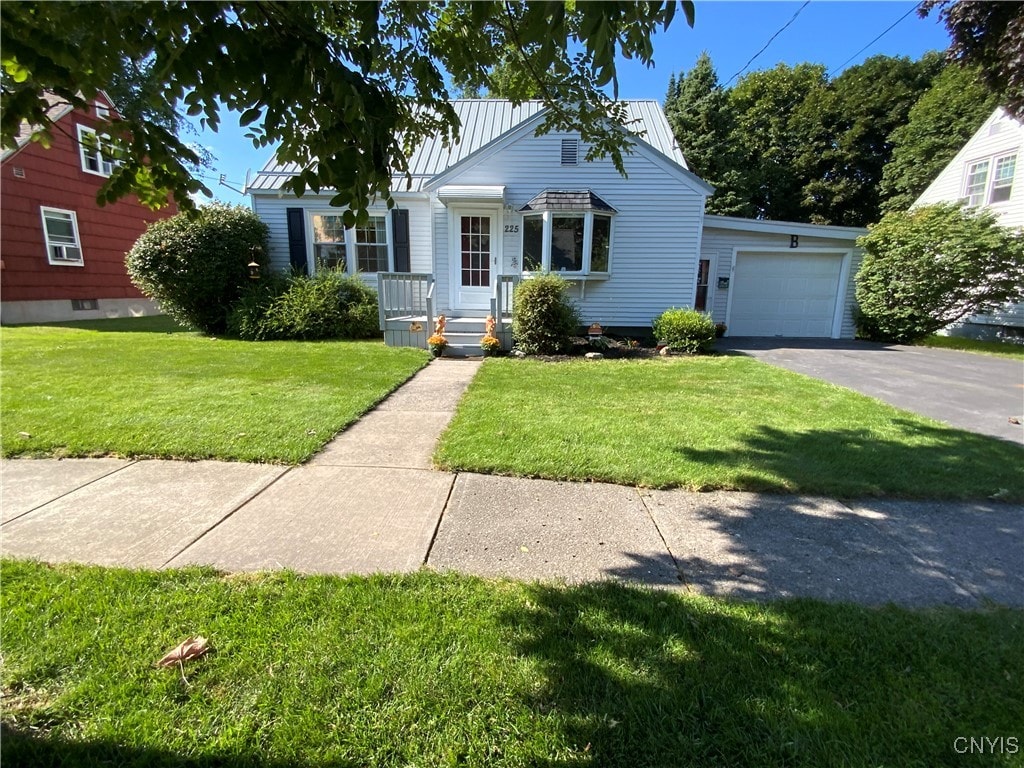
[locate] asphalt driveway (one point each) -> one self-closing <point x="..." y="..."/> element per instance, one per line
<point x="979" y="393"/>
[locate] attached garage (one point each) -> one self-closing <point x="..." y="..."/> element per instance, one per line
<point x="792" y="295"/>
<point x="779" y="279"/>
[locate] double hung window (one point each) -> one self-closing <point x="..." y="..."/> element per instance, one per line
<point x="363" y="248"/>
<point x="96" y="152"/>
<point x="60" y="230"/>
<point x="989" y="181"/>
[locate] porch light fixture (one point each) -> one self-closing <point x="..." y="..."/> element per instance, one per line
<point x="254" y="265"/>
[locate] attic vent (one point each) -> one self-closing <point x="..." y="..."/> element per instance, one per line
<point x="570" y="151"/>
<point x="995" y="128"/>
<point x="19" y="172"/>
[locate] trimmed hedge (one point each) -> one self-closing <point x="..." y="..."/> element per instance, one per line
<point x="685" y="330"/>
<point x="196" y="265"/>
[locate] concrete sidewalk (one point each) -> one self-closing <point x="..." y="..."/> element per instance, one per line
<point x="370" y="502"/>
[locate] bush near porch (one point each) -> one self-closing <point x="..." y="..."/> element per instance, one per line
<point x="714" y="423"/>
<point x="145" y="387"/>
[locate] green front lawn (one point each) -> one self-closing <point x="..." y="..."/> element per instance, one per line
<point x="997" y="348"/>
<point x="714" y="423"/>
<point x="432" y="670"/>
<point x="145" y="387"/>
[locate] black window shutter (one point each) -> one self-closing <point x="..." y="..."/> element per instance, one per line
<point x="297" y="240"/>
<point x="400" y="240"/>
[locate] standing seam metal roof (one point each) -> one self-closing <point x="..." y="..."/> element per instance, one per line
<point x="484" y="121"/>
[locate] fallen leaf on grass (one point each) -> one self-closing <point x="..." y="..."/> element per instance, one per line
<point x="24" y="435"/>
<point x="192" y="648"/>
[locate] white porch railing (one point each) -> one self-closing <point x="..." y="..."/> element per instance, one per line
<point x="502" y="299"/>
<point x="405" y="295"/>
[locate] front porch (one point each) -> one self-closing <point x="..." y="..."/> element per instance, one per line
<point x="409" y="310"/>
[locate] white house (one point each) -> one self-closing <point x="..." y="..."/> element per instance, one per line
<point x="505" y="203"/>
<point x="988" y="171"/>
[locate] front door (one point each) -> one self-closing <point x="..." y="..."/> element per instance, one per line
<point x="474" y="259"/>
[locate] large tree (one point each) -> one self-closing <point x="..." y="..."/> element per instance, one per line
<point x="345" y="90"/>
<point x="843" y="134"/>
<point x="939" y="124"/>
<point x="701" y="118"/>
<point x="990" y="37"/>
<point x="765" y="104"/>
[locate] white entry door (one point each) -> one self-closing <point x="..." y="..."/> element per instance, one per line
<point x="474" y="259"/>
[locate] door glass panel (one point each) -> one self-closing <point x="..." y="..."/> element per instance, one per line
<point x="476" y="251"/>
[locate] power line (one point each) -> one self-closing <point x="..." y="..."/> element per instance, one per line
<point x="887" y="30"/>
<point x="770" y="39"/>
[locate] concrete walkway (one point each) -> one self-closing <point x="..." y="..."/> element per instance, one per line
<point x="370" y="502"/>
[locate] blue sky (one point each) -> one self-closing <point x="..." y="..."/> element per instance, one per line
<point x="823" y="31"/>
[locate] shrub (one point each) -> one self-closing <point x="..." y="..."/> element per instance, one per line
<point x="196" y="265"/>
<point x="926" y="268"/>
<point x="246" y="320"/>
<point x="544" y="320"/>
<point x="328" y="305"/>
<point x="685" y="330"/>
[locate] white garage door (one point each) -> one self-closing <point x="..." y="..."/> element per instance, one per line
<point x="784" y="294"/>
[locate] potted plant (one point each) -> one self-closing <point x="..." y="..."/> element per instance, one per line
<point x="491" y="345"/>
<point x="437" y="343"/>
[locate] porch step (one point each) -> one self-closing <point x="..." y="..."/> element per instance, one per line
<point x="464" y="343"/>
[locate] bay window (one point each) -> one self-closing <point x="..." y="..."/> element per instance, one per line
<point x="567" y="242"/>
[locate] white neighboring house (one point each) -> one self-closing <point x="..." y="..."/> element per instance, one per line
<point x="988" y="171"/>
<point x="504" y="204"/>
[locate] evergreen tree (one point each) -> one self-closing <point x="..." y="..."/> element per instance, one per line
<point x="700" y="116"/>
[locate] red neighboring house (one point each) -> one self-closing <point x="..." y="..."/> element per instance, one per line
<point x="61" y="254"/>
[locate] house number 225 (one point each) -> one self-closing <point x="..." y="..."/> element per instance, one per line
<point x="511" y="227"/>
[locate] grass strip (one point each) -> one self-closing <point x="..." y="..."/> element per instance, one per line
<point x="714" y="423"/>
<point x="996" y="348"/>
<point x="430" y="669"/>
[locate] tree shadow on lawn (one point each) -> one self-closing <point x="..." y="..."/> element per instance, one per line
<point x="924" y="462"/>
<point x="647" y="678"/>
<point x="39" y="749"/>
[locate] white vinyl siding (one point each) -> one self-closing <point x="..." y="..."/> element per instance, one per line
<point x="60" y="231"/>
<point x="998" y="140"/>
<point x="655" y="234"/>
<point x="272" y="209"/>
<point x="722" y="246"/>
